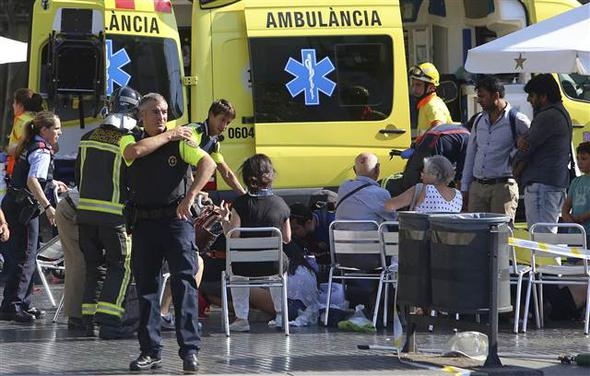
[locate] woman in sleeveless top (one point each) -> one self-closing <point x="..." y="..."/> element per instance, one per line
<point x="259" y="207"/>
<point x="434" y="194"/>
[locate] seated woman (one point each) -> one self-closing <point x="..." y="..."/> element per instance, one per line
<point x="435" y="195"/>
<point x="259" y="207"/>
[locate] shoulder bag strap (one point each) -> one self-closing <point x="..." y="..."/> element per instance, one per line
<point x="351" y="193"/>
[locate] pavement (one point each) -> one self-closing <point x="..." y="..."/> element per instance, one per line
<point x="48" y="348"/>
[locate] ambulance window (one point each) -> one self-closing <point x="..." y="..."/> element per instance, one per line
<point x="154" y="67"/>
<point x="312" y="79"/>
<point x="66" y="105"/>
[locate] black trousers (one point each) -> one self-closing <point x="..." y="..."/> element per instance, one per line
<point x="21" y="265"/>
<point x="171" y="239"/>
<point x="108" y="245"/>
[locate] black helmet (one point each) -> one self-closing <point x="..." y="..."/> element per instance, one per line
<point x="124" y="100"/>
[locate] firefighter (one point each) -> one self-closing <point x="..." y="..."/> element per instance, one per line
<point x="100" y="176"/>
<point x="432" y="110"/>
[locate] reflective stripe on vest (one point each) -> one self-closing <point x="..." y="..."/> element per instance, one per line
<point x="113" y="206"/>
<point x="100" y="206"/>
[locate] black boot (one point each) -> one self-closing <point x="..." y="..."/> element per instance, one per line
<point x="23" y="316"/>
<point x="89" y="325"/>
<point x="190" y="363"/>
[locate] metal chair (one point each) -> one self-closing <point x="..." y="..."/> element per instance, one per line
<point x="389" y="236"/>
<point x="264" y="245"/>
<point x="352" y="242"/>
<point x="558" y="274"/>
<point x="517" y="273"/>
<point x="50" y="256"/>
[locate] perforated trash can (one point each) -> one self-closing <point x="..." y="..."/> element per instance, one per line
<point x="414" y="259"/>
<point x="461" y="245"/>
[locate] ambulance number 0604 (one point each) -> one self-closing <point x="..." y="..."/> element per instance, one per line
<point x="240" y="132"/>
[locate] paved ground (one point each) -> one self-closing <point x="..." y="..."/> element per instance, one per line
<point x="48" y="348"/>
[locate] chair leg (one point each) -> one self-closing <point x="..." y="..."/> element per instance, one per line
<point x="165" y="278"/>
<point x="45" y="284"/>
<point x="60" y="306"/>
<point x="224" y="304"/>
<point x="587" y="316"/>
<point x="378" y="300"/>
<point x="329" y="296"/>
<point x="527" y="302"/>
<point x="536" y="304"/>
<point x="285" y="306"/>
<point x="386" y="301"/>
<point x="541" y="304"/>
<point x="517" y="302"/>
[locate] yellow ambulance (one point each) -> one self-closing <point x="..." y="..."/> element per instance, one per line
<point x="313" y="83"/>
<point x="81" y="51"/>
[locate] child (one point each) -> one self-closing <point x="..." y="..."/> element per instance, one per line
<point x="576" y="208"/>
<point x="567" y="301"/>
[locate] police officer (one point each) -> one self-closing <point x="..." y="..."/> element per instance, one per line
<point x="161" y="195"/>
<point x="209" y="133"/>
<point x="432" y="110"/>
<point x="32" y="172"/>
<point x="100" y="176"/>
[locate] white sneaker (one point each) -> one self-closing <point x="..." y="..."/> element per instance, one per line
<point x="277" y="322"/>
<point x="239" y="325"/>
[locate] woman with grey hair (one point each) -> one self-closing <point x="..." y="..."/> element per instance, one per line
<point x="434" y="195"/>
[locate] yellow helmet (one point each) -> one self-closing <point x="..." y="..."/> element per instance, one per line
<point x="426" y="72"/>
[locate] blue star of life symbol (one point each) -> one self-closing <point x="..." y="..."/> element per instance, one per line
<point x="310" y="77"/>
<point x="115" y="62"/>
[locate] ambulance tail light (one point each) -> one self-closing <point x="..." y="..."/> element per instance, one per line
<point x="163" y="6"/>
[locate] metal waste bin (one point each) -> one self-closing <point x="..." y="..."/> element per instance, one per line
<point x="461" y="255"/>
<point x="414" y="259"/>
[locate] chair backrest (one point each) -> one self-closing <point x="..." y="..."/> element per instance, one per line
<point x="574" y="237"/>
<point x="389" y="235"/>
<point x="356" y="244"/>
<point x="262" y="245"/>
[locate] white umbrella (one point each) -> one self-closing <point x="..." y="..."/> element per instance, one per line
<point x="12" y="51"/>
<point x="560" y="44"/>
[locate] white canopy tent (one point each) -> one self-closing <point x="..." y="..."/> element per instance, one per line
<point x="560" y="44"/>
<point x="12" y="51"/>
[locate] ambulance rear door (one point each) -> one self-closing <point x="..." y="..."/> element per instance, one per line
<point x="328" y="82"/>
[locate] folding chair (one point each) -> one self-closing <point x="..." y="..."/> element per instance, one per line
<point x="266" y="246"/>
<point x="389" y="236"/>
<point x="350" y="242"/>
<point x="50" y="256"/>
<point x="558" y="274"/>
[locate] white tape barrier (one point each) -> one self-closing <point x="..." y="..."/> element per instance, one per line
<point x="576" y="252"/>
